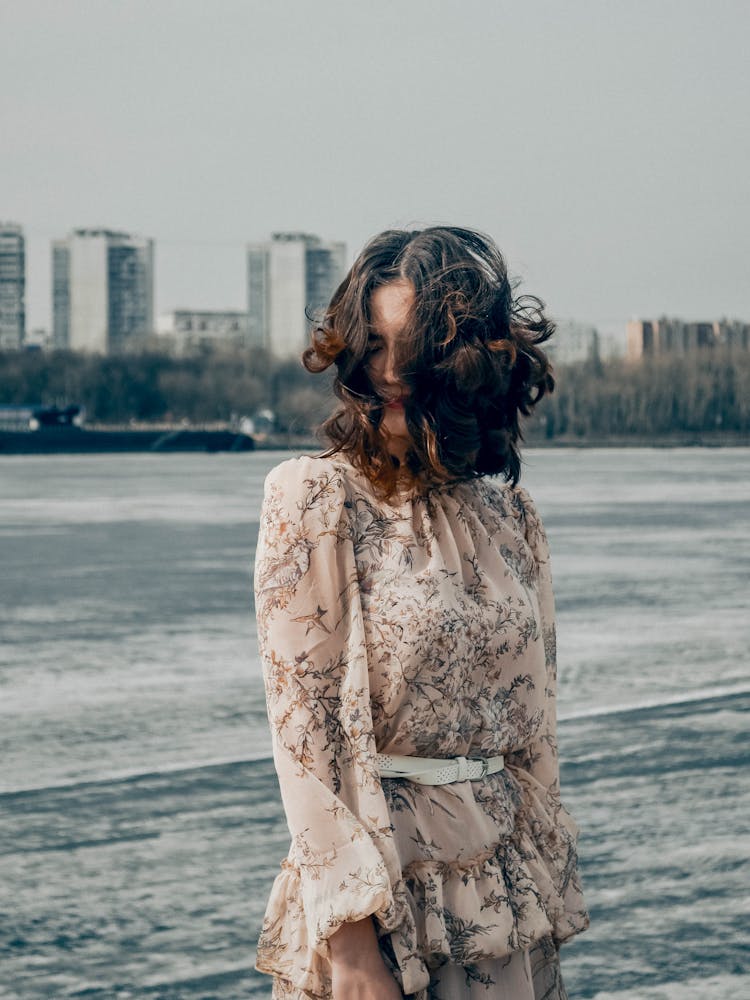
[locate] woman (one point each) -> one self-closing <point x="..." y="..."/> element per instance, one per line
<point x="406" y="627"/>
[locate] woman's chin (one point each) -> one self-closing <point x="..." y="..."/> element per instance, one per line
<point x="394" y="425"/>
<point x="397" y="444"/>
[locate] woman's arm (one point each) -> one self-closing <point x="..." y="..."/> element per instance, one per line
<point x="312" y="645"/>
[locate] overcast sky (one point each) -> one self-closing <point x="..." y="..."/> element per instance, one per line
<point x="605" y="145"/>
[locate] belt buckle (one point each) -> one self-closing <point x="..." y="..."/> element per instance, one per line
<point x="485" y="766"/>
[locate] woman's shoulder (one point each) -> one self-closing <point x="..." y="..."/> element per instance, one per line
<point x="524" y="502"/>
<point x="307" y="481"/>
<point x="303" y="468"/>
<point x="514" y="502"/>
<point x="504" y="497"/>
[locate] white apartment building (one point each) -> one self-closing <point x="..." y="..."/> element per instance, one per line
<point x="102" y="289"/>
<point x="287" y="275"/>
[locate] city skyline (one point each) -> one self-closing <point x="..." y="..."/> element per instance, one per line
<point x="103" y="290"/>
<point x="601" y="145"/>
<point x="319" y="271"/>
<point x="200" y="299"/>
<point x="287" y="276"/>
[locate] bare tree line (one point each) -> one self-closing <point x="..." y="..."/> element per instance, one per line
<point x="707" y="392"/>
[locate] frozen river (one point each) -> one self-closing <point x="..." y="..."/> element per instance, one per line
<point x="140" y="825"/>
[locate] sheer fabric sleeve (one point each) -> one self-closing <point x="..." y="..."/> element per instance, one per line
<point x="342" y="865"/>
<point x="553" y="829"/>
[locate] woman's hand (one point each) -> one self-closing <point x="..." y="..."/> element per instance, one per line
<point x="357" y="967"/>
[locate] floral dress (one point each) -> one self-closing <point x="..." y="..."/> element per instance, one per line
<point x="423" y="626"/>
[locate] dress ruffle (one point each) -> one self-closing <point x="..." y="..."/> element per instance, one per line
<point x="518" y="891"/>
<point x="522" y="889"/>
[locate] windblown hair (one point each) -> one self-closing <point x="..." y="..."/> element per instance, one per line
<point x="469" y="357"/>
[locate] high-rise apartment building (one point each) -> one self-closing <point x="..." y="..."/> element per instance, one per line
<point x="286" y="276"/>
<point x="103" y="290"/>
<point x="12" y="286"/>
<point x="60" y="294"/>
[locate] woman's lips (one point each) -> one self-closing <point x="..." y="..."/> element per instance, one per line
<point x="393" y="400"/>
<point x="389" y="399"/>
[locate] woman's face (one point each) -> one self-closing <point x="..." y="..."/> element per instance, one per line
<point x="389" y="308"/>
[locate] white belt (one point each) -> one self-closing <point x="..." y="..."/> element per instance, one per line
<point x="436" y="770"/>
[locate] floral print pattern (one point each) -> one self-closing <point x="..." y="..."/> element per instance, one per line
<point x="422" y="626"/>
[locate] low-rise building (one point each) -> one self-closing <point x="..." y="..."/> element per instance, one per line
<point x="188" y="330"/>
<point x="572" y="343"/>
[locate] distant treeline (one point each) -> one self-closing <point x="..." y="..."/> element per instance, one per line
<point x="215" y="385"/>
<point x="702" y="393"/>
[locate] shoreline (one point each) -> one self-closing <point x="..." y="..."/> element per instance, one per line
<point x="687" y="440"/>
<point x="165" y="439"/>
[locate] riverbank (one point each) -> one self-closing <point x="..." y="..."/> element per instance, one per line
<point x="683" y="440"/>
<point x="77" y="441"/>
<point x="166" y="438"/>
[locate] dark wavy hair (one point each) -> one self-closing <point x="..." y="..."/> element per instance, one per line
<point x="469" y="357"/>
